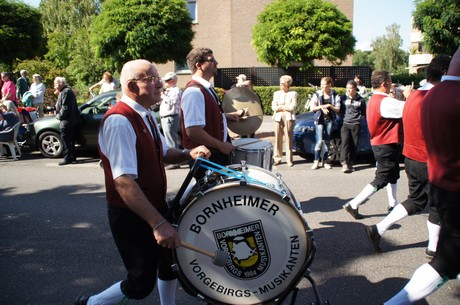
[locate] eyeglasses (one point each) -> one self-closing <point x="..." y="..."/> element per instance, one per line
<point x="147" y="79"/>
<point x="210" y="60"/>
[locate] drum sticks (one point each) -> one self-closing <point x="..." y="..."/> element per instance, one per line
<point x="219" y="257"/>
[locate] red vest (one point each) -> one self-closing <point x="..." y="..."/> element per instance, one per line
<point x="440" y="122"/>
<point x="213" y="115"/>
<point x="151" y="176"/>
<point x="382" y="130"/>
<point x="414" y="141"/>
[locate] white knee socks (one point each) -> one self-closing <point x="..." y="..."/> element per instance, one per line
<point x="167" y="291"/>
<point x="110" y="296"/>
<point x="424" y="281"/>
<point x="398" y="213"/>
<point x="391" y="193"/>
<point x="365" y="193"/>
<point x="433" y="235"/>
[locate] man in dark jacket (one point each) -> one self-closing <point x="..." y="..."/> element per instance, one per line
<point x="69" y="115"/>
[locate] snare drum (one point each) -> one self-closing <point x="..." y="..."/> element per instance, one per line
<point x="259" y="153"/>
<point x="255" y="222"/>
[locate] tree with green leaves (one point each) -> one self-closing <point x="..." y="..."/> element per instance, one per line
<point x="66" y="23"/>
<point x="156" y="30"/>
<point x="298" y="31"/>
<point x="387" y="54"/>
<point x="21" y="32"/>
<point x="362" y="58"/>
<point x="439" y="21"/>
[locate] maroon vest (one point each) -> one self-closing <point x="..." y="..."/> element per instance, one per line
<point x="382" y="130"/>
<point x="151" y="176"/>
<point x="213" y="115"/>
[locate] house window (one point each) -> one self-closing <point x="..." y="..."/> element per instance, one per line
<point x="182" y="68"/>
<point x="192" y="8"/>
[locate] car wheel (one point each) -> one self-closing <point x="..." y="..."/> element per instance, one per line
<point x="334" y="149"/>
<point x="50" y="144"/>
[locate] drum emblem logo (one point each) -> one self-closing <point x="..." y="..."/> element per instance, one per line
<point x="247" y="247"/>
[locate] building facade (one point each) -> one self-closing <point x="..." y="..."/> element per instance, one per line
<point x="225" y="26"/>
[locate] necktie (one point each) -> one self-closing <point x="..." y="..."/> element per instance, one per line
<point x="155" y="135"/>
<point x="214" y="94"/>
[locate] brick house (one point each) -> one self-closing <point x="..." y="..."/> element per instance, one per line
<point x="225" y="26"/>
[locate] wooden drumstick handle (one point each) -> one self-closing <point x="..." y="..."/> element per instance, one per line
<point x="196" y="249"/>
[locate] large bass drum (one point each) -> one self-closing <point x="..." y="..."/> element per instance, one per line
<point x="256" y="221"/>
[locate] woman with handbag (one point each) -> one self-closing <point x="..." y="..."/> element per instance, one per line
<point x="325" y="103"/>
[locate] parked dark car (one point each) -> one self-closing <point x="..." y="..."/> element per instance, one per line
<point x="304" y="139"/>
<point x="47" y="137"/>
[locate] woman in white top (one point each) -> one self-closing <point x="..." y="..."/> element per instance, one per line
<point x="106" y="83"/>
<point x="283" y="106"/>
<point x="37" y="90"/>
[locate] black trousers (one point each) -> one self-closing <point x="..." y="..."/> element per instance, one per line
<point x="141" y="254"/>
<point x="350" y="137"/>
<point x="387" y="157"/>
<point x="68" y="140"/>
<point x="419" y="187"/>
<point x="447" y="259"/>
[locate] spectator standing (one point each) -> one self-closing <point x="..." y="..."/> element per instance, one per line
<point x="384" y="120"/>
<point x="362" y="91"/>
<point x="353" y="108"/>
<point x="37" y="90"/>
<point x="415" y="164"/>
<point x="440" y="108"/>
<point x="325" y="103"/>
<point x="169" y="112"/>
<point x="8" y="88"/>
<point x="135" y="182"/>
<point x="22" y="84"/>
<point x="106" y="83"/>
<point x="283" y="105"/>
<point x="203" y="120"/>
<point x="69" y="115"/>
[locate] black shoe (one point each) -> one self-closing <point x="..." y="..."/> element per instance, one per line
<point x="429" y="253"/>
<point x="81" y="300"/>
<point x="374" y="237"/>
<point x="64" y="163"/>
<point x="353" y="212"/>
<point x="390" y="208"/>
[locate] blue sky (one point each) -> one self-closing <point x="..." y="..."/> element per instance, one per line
<point x="371" y="18"/>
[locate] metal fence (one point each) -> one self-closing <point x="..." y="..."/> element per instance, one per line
<point x="269" y="76"/>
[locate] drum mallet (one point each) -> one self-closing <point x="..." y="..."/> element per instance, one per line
<point x="219" y="257"/>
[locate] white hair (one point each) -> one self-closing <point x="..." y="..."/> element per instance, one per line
<point x="61" y="80"/>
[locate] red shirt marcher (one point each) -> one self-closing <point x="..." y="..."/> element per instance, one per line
<point x="440" y="127"/>
<point x="414" y="141"/>
<point x="214" y="121"/>
<point x="149" y="163"/>
<point x="382" y="130"/>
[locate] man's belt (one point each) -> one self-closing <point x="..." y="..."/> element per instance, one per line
<point x="166" y="116"/>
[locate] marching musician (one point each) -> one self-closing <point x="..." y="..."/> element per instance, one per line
<point x="133" y="154"/>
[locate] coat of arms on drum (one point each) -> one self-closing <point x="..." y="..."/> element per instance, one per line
<point x="247" y="247"/>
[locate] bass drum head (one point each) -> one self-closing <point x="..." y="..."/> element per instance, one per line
<point x="266" y="240"/>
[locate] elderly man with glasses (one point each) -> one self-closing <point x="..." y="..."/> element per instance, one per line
<point x="133" y="154"/>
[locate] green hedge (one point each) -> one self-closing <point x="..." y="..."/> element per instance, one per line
<point x="266" y="96"/>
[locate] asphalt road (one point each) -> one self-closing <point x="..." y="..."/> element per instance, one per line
<point x="55" y="242"/>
